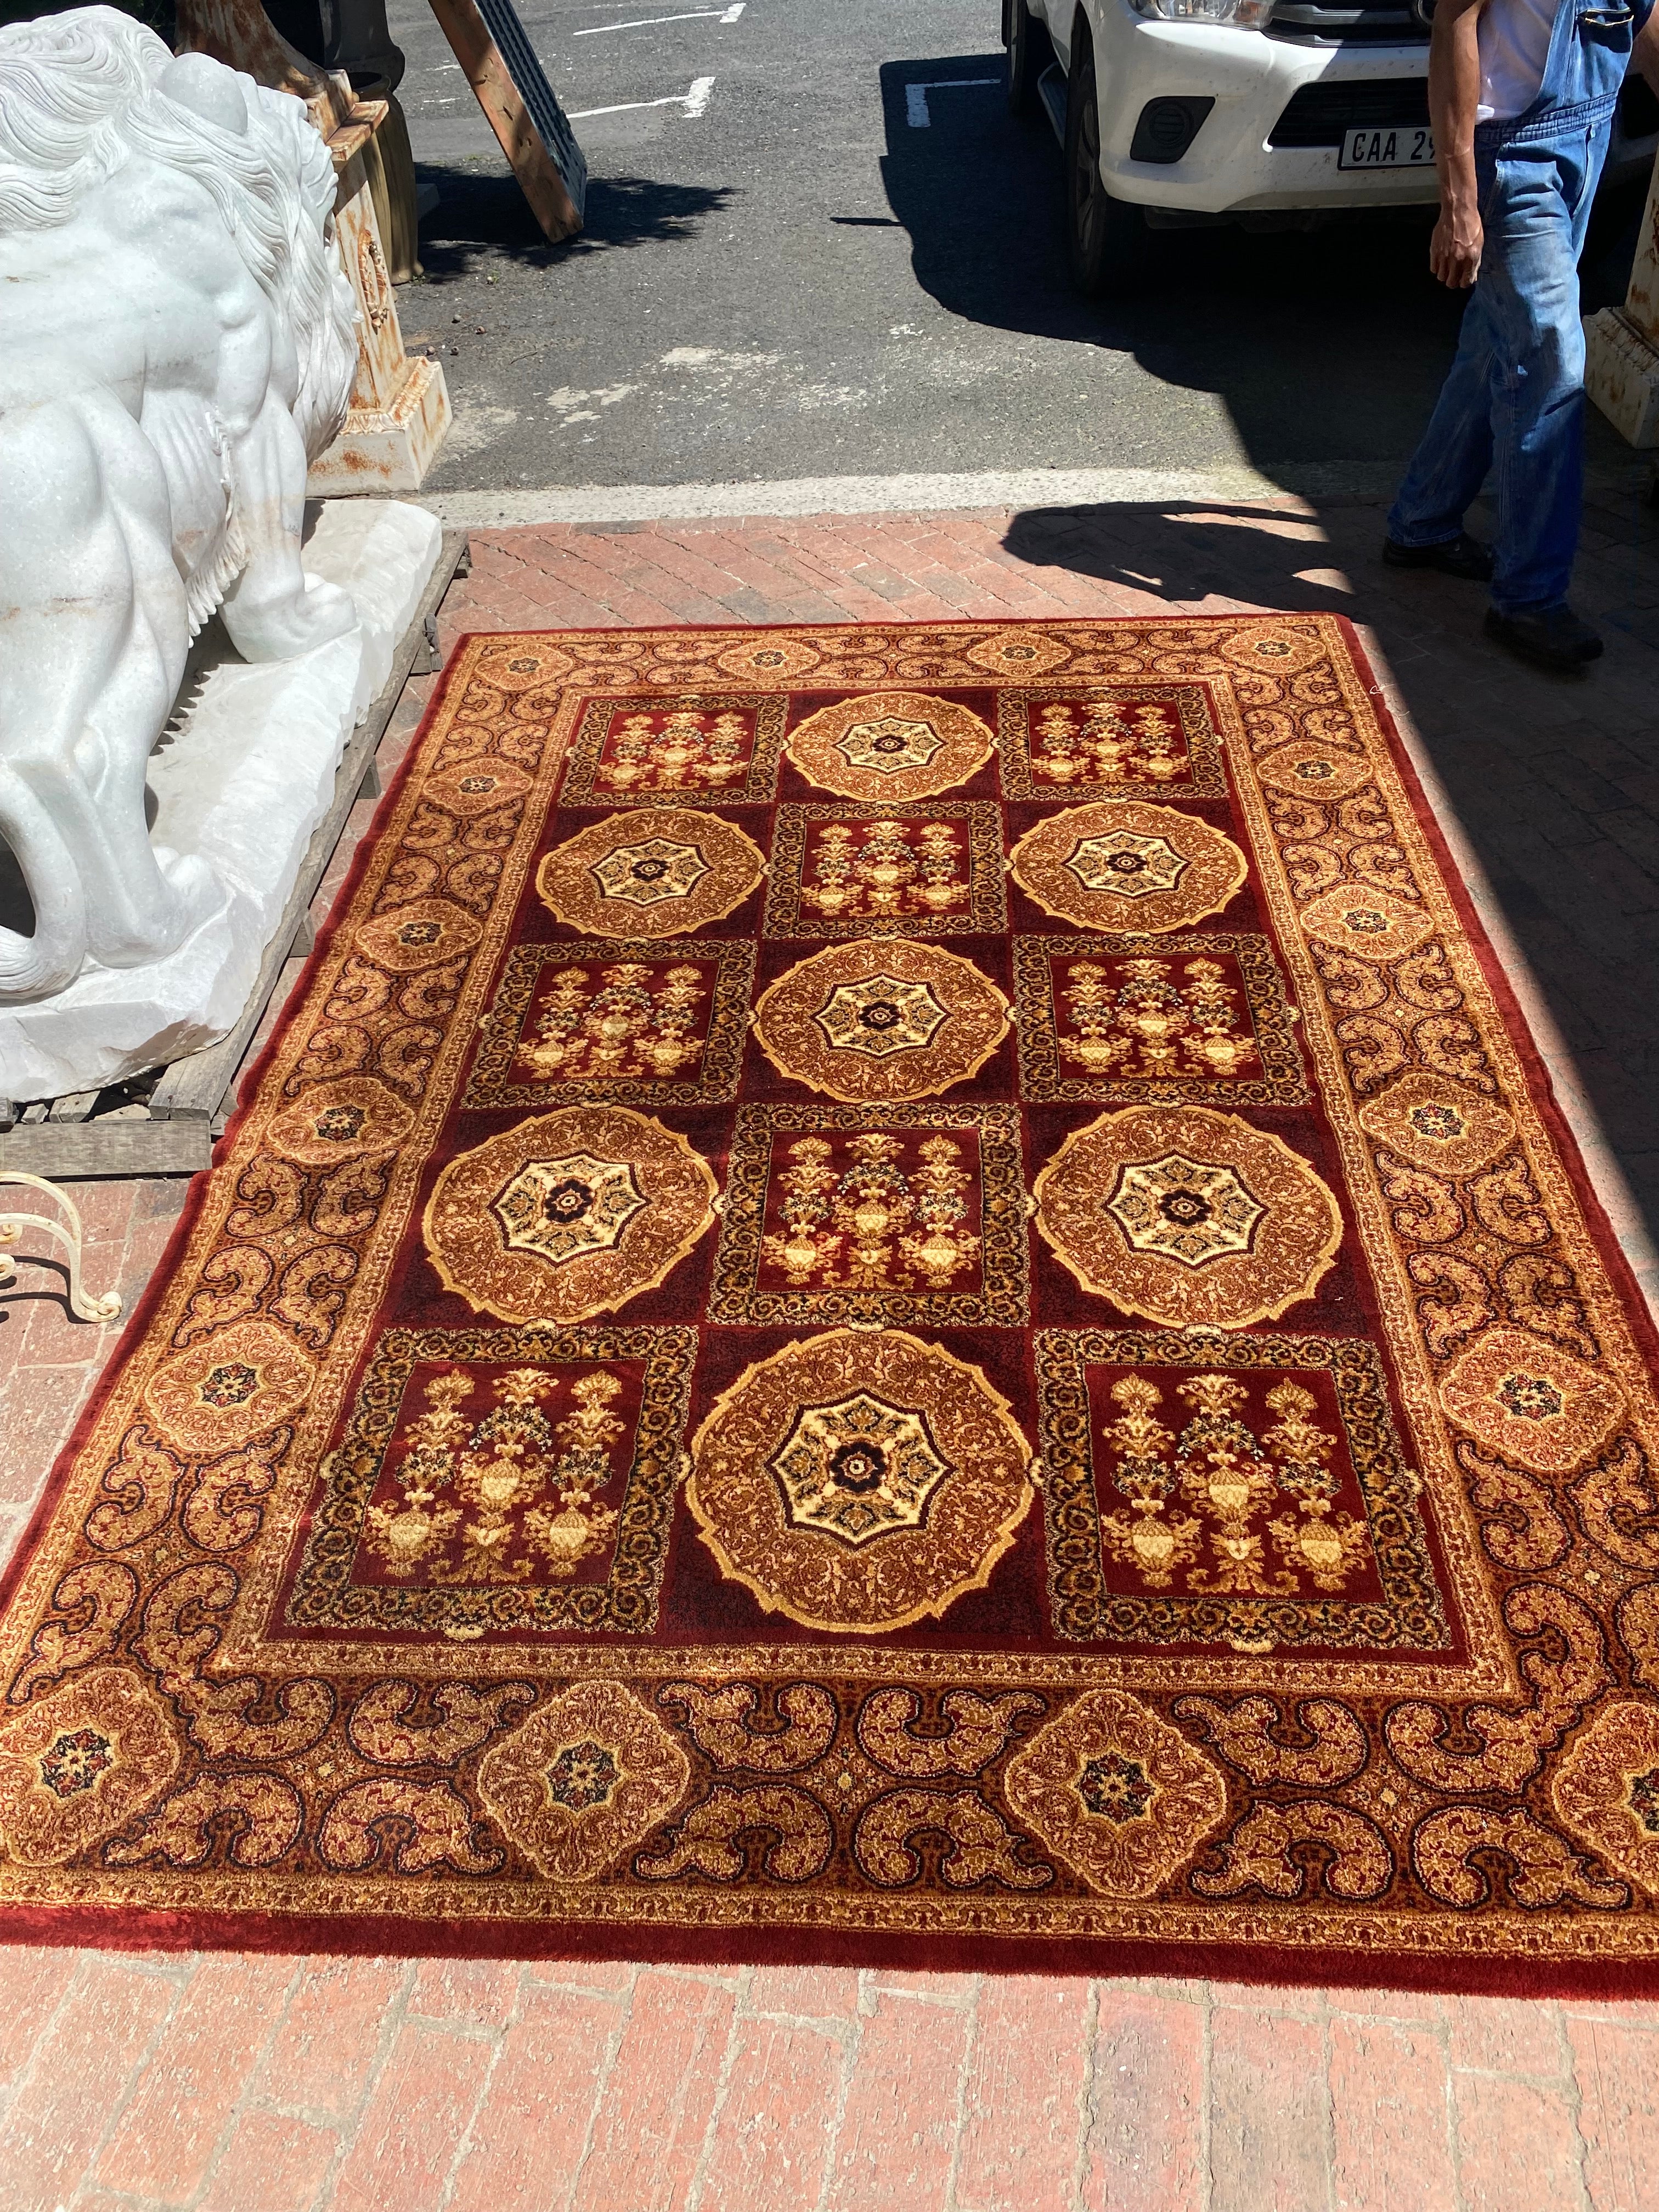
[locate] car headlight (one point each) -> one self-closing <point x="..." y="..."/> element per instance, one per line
<point x="1242" y="14"/>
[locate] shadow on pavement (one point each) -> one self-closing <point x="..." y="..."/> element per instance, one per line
<point x="1555" y="780"/>
<point x="1185" y="552"/>
<point x="478" y="215"/>
<point x="979" y="192"/>
<point x="1326" y="348"/>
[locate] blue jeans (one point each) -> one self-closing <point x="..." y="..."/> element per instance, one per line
<point x="1515" y="397"/>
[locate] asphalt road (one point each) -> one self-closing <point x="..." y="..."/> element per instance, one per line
<point x="794" y="281"/>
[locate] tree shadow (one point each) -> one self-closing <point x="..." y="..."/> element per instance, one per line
<point x="482" y="215"/>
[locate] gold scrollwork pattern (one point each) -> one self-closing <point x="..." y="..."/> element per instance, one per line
<point x="841" y="1550"/>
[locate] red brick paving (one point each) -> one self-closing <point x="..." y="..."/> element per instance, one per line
<point x="1145" y="2150"/>
<point x="166" y="2136"/>
<point x="1026" y="2084"/>
<point x="222" y="2084"/>
<point x="675" y="2092"/>
<point x="645" y="2147"/>
<point x="1390" y="2116"/>
<point x="774" y="2128"/>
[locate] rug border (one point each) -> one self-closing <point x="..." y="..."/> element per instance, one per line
<point x="138" y="1319"/>
<point x="385" y="1935"/>
<point x="1598" y="1221"/>
<point x="138" y="1929"/>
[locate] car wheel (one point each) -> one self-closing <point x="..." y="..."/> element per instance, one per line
<point x="1029" y="54"/>
<point x="1107" y="243"/>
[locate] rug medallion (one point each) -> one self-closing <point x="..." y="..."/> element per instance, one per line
<point x="897" y="1293"/>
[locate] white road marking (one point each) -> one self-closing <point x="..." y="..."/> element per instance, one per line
<point x="692" y="102"/>
<point x="649" y="22"/>
<point x="915" y="96"/>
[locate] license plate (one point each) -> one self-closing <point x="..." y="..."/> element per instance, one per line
<point x="1404" y="148"/>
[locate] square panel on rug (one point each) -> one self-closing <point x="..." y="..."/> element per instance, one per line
<point x="894" y="1293"/>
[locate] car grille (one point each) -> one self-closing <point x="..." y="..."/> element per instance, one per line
<point x="1312" y="23"/>
<point x="1320" y="114"/>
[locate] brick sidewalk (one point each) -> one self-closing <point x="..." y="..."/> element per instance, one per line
<point x="263" y="2085"/>
<point x="270" y="2085"/>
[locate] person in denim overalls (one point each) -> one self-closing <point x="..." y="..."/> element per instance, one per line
<point x="1515" y="202"/>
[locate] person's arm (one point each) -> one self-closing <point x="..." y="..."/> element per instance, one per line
<point x="1645" y="54"/>
<point x="1454" y="95"/>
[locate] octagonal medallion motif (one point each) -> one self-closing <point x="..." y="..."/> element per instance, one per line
<point x="859" y="1480"/>
<point x="881" y="1014"/>
<point x="650" y="872"/>
<point x="654" y="869"/>
<point x="890" y="745"/>
<point x="858" y="1468"/>
<point x="1191" y="1211"/>
<point x="875" y="1021"/>
<point x="576" y="1204"/>
<point x="1190" y="1218"/>
<point x="568" y="1215"/>
<point x="1125" y="865"/>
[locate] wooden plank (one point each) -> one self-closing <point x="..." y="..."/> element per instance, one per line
<point x="540" y="179"/>
<point x="194" y="1088"/>
<point x="73" y="1106"/>
<point x="67" y="1150"/>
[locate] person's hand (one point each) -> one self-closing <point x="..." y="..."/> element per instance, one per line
<point x="1454" y="249"/>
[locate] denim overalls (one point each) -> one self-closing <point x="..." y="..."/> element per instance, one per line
<point x="1515" y="397"/>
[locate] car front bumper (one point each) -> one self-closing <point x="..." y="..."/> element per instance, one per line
<point x="1231" y="168"/>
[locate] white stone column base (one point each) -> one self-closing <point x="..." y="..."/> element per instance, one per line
<point x="1621" y="375"/>
<point x="384" y="449"/>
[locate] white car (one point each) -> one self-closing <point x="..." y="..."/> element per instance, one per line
<point x="1260" y="112"/>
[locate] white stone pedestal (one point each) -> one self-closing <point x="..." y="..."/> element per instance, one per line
<point x="1621" y="369"/>
<point x="242" y="776"/>
<point x="399" y="409"/>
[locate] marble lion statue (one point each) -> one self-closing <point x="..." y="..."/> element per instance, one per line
<point x="176" y="344"/>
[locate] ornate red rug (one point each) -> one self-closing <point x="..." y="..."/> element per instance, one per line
<point x="897" y="1294"/>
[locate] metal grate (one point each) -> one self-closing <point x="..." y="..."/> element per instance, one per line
<point x="523" y="67"/>
<point x="1320" y="114"/>
<point x="1310" y="23"/>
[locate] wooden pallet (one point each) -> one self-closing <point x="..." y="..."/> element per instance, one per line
<point x="172" y="1133"/>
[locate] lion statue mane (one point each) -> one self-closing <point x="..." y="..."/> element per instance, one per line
<point x="176" y="344"/>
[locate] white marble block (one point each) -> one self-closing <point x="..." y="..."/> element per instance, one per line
<point x="240" y="780"/>
<point x="1621" y="344"/>
<point x="177" y="345"/>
